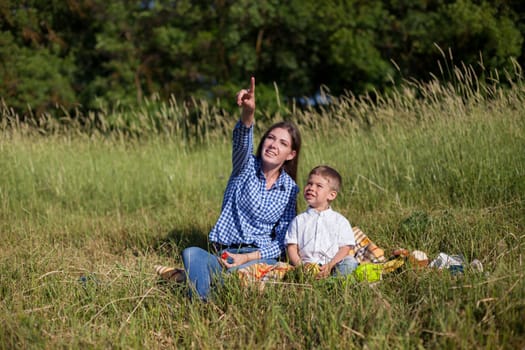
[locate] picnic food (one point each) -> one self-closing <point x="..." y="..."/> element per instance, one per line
<point x="418" y="258"/>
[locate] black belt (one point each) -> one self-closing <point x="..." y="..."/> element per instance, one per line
<point x="220" y="247"/>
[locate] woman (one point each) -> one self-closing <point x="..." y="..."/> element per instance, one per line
<point x="258" y="204"/>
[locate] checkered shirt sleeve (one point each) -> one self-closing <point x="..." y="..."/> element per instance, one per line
<point x="242" y="147"/>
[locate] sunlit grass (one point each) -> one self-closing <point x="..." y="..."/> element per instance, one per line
<point x="86" y="211"/>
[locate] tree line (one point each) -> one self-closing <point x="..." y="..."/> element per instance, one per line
<point x="88" y="54"/>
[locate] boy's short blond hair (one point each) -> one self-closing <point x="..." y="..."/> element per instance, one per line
<point x="330" y="174"/>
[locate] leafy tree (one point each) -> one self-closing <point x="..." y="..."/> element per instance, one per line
<point x="36" y="70"/>
<point x="89" y="53"/>
<point x="467" y="29"/>
<point x="480" y="28"/>
<point x="354" y="50"/>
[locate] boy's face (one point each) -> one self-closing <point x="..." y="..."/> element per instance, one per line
<point x="318" y="193"/>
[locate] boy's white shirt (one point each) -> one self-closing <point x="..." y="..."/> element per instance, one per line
<point x="319" y="235"/>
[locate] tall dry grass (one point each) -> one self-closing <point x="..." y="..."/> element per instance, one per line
<point x="89" y="204"/>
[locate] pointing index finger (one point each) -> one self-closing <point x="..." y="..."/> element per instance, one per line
<point x="252" y="85"/>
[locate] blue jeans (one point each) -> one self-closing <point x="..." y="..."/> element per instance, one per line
<point x="345" y="266"/>
<point x="203" y="268"/>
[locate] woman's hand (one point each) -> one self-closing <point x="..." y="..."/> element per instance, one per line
<point x="246" y="100"/>
<point x="229" y="260"/>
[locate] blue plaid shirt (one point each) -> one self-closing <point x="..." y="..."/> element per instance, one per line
<point x="249" y="211"/>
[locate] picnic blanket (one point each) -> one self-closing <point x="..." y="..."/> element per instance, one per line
<point x="372" y="264"/>
<point x="262" y="272"/>
<point x="365" y="251"/>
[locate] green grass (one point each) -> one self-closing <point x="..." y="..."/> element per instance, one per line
<point x="85" y="215"/>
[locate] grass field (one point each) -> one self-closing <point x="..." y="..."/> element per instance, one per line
<point x="84" y="217"/>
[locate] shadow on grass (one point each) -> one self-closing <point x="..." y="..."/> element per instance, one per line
<point x="178" y="239"/>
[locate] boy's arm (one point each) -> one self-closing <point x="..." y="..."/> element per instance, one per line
<point x="326" y="269"/>
<point x="293" y="254"/>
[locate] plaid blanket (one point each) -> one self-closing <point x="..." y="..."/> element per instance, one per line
<point x="262" y="272"/>
<point x="365" y="251"/>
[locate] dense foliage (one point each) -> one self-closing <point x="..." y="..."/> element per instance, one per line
<point x="92" y="54"/>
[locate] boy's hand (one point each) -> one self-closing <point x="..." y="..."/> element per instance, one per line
<point x="324" y="271"/>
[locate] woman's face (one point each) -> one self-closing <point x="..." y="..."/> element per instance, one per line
<point x="277" y="147"/>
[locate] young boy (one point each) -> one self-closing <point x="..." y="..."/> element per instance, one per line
<point x="320" y="235"/>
